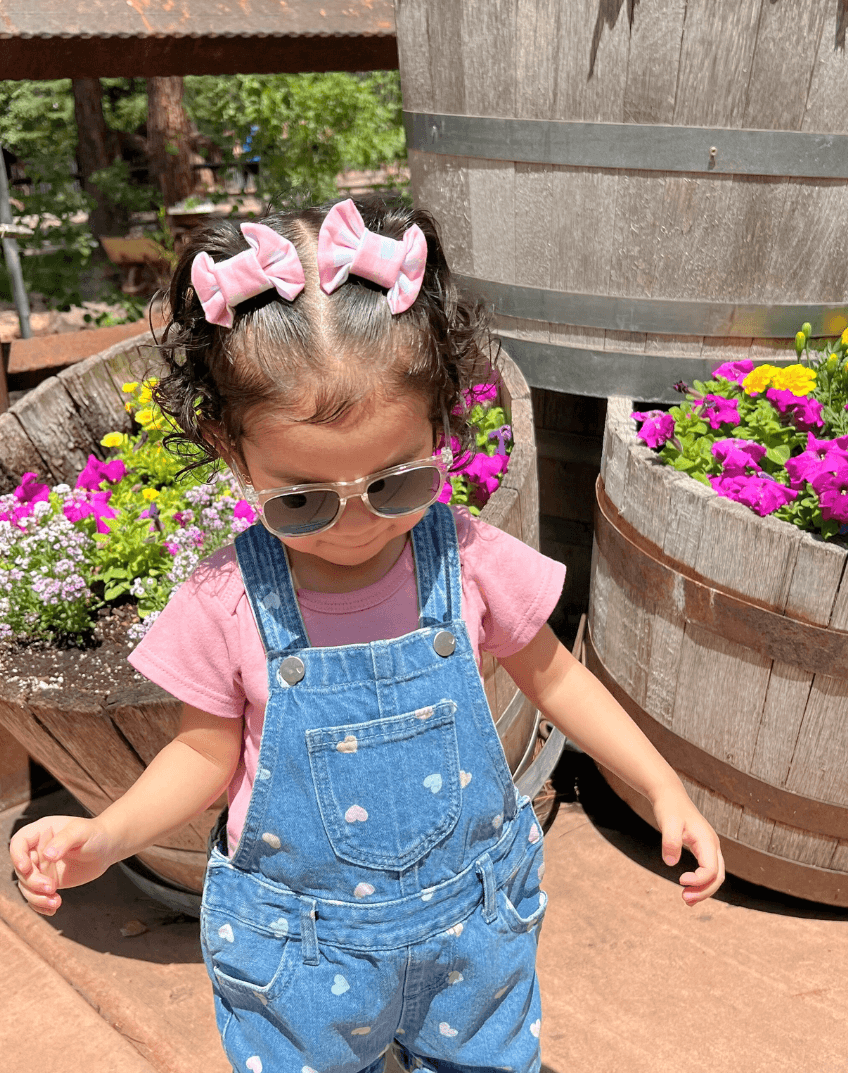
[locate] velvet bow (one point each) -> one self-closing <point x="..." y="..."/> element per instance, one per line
<point x="271" y="261"/>
<point x="345" y="246"/>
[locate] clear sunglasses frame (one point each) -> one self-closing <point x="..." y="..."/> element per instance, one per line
<point x="345" y="490"/>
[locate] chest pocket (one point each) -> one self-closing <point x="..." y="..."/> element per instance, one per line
<point x="388" y="789"/>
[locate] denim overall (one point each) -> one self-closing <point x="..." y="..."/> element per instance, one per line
<point x="386" y="884"/>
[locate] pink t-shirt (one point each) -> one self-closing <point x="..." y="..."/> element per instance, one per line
<point x="205" y="648"/>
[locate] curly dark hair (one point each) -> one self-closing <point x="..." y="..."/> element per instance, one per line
<point x="320" y="353"/>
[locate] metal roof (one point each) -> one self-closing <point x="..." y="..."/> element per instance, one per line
<point x="133" y="38"/>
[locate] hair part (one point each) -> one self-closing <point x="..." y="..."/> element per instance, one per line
<point x="316" y="358"/>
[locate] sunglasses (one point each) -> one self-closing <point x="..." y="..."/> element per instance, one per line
<point x="301" y="510"/>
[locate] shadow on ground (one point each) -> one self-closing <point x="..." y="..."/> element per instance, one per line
<point x="577" y="779"/>
<point x="93" y="915"/>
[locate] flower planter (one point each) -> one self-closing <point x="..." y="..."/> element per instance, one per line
<point x="725" y="635"/>
<point x="96" y="744"/>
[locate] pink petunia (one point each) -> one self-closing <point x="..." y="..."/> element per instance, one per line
<point x="758" y="493"/>
<point x="484" y="470"/>
<point x="243" y="509"/>
<point x="804" y="467"/>
<point x="96" y="472"/>
<point x="735" y="371"/>
<point x="717" y="411"/>
<point x="480" y="393"/>
<point x="738" y="456"/>
<point x="804" y="412"/>
<point x="96" y="503"/>
<point x="831" y="486"/>
<point x="657" y="427"/>
<point x="30" y="490"/>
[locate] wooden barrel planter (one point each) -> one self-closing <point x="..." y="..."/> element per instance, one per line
<point x="725" y="635"/>
<point x="642" y="191"/>
<point x="98" y="747"/>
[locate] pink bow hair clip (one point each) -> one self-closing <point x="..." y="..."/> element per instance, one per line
<point x="271" y="261"/>
<point x="345" y="246"/>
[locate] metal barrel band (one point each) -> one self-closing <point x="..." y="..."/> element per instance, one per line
<point x="600" y="373"/>
<point x="762" y="798"/>
<point x="643" y="567"/>
<point x="631" y="146"/>
<point x="661" y="316"/>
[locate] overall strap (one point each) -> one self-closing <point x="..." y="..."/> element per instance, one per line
<point x="436" y="549"/>
<point x="268" y="584"/>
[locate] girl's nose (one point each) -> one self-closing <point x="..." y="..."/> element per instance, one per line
<point x="355" y="515"/>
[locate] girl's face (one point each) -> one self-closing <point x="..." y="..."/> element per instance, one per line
<point x="371" y="437"/>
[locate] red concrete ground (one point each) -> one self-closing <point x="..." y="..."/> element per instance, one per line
<point x="632" y="979"/>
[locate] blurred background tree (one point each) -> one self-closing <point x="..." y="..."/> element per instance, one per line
<point x="88" y="157"/>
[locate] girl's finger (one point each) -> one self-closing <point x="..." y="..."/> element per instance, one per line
<point x="70" y="837"/>
<point x="21" y="848"/>
<point x="46" y="904"/>
<point x="672" y="841"/>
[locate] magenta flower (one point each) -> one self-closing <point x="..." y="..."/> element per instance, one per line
<point x="758" y="493"/>
<point x="96" y="472"/>
<point x="738" y="456"/>
<point x="30" y="491"/>
<point x="718" y="411"/>
<point x="831" y="486"/>
<point x="243" y="509"/>
<point x="96" y="503"/>
<point x="657" y="427"/>
<point x="446" y="492"/>
<point x="736" y="371"/>
<point x="804" y="412"/>
<point x="809" y="463"/>
<point x="728" y="487"/>
<point x="480" y="394"/>
<point x="484" y="470"/>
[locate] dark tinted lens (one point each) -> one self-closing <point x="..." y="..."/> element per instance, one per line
<point x="301" y="513"/>
<point x="404" y="493"/>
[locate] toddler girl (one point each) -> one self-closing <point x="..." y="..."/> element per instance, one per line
<point x="378" y="878"/>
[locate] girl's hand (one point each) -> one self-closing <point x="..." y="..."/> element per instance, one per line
<point x="681" y="825"/>
<point x="55" y="852"/>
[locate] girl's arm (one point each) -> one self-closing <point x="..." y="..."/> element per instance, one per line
<point x="182" y="780"/>
<point x="575" y="701"/>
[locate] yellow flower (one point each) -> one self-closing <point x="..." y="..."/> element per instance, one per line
<point x="130" y="387"/>
<point x="128" y="407"/>
<point x="843" y="339"/>
<point x="795" y="378"/>
<point x="150" y="494"/>
<point x="151" y="383"/>
<point x="112" y="439"/>
<point x="144" y="417"/>
<point x="145" y="395"/>
<point x="758" y="379"/>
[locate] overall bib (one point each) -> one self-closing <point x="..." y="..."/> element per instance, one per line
<point x="386" y="884"/>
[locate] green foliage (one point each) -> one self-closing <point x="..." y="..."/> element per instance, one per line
<point x="304" y="128"/>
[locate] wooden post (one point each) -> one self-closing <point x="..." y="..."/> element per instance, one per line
<point x="13" y="261"/>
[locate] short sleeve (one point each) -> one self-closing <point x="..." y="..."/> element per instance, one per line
<point x="192" y="649"/>
<point x="514" y="586"/>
